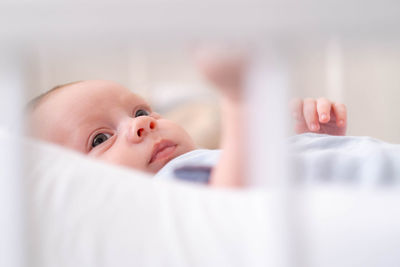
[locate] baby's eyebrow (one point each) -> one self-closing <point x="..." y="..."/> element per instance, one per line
<point x="134" y="100"/>
<point x="148" y="107"/>
<point x="144" y="105"/>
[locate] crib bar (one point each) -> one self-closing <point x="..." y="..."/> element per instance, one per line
<point x="334" y="69"/>
<point x="12" y="212"/>
<point x="267" y="89"/>
<point x="267" y="98"/>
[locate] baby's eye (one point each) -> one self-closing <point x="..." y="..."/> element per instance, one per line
<point x="141" y="112"/>
<point x="100" y="138"/>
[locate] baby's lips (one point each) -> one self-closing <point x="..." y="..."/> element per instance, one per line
<point x="161" y="149"/>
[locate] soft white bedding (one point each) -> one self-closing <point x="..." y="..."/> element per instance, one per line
<point x="85" y="213"/>
<point x="348" y="160"/>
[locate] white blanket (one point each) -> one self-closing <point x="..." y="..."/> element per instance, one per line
<point x="86" y="213"/>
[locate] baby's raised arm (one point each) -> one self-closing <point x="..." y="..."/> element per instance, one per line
<point x="226" y="69"/>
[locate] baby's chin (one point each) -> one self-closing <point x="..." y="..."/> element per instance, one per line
<point x="156" y="166"/>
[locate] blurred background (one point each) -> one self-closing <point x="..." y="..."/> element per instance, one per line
<point x="347" y="51"/>
<point x="364" y="74"/>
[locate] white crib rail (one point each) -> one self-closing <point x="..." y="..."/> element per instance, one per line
<point x="12" y="209"/>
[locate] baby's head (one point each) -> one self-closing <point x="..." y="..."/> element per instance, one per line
<point x="107" y="121"/>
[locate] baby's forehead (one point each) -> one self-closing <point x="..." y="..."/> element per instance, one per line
<point x="75" y="104"/>
<point x="96" y="92"/>
<point x="88" y="96"/>
<point x="98" y="88"/>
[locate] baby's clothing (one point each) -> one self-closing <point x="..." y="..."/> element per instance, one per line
<point x="352" y="160"/>
<point x="194" y="166"/>
<point x="314" y="158"/>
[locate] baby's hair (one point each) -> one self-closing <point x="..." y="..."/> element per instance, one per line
<point x="35" y="101"/>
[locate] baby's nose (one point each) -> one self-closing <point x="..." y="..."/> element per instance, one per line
<point x="141" y="127"/>
<point x="146" y="128"/>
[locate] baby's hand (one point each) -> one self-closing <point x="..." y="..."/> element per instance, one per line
<point x="319" y="116"/>
<point x="225" y="67"/>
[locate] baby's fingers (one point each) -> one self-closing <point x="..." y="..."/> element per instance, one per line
<point x="340" y="112"/>
<point x="310" y="114"/>
<point x="324" y="110"/>
<point x="296" y="107"/>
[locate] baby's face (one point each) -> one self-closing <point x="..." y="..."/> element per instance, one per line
<point x="107" y="121"/>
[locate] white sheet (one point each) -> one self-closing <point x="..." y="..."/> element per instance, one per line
<point x="86" y="213"/>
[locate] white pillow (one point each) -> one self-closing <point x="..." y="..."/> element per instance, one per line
<point x="86" y="213"/>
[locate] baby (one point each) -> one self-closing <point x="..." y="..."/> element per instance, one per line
<point x="107" y="121"/>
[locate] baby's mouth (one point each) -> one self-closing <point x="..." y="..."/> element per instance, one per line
<point x="162" y="150"/>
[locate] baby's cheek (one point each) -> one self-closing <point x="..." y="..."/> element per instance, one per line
<point x="123" y="158"/>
